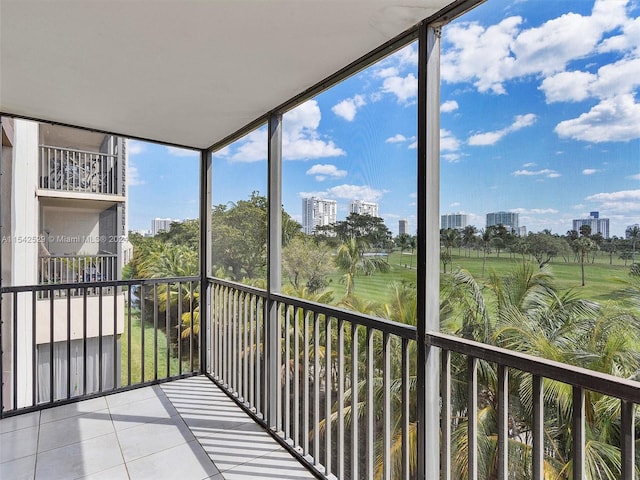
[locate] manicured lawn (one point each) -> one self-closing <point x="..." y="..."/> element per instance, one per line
<point x="601" y="278"/>
<point x="136" y="352"/>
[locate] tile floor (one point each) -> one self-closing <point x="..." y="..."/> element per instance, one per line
<point x="187" y="429"/>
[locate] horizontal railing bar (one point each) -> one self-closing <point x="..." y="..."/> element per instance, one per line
<point x="63" y="149"/>
<point x="399" y="329"/>
<point x="610" y="385"/>
<point x="80" y="255"/>
<point x="106" y="283"/>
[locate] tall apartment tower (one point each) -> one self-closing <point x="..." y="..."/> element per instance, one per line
<point x="454" y="220"/>
<point x="509" y="220"/>
<point x="403" y="227"/>
<point x="597" y="224"/>
<point x="364" y="208"/>
<point x="64" y="220"/>
<point x="160" y="225"/>
<point x="317" y="212"/>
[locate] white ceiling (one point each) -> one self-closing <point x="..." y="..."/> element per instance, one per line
<point x="187" y="72"/>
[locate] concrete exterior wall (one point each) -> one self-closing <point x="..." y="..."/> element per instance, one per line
<point x="71" y="230"/>
<point x="43" y="315"/>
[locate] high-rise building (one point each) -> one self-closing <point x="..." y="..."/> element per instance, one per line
<point x="364" y="208"/>
<point x="403" y="227"/>
<point x="317" y="212"/>
<point x="454" y="220"/>
<point x="630" y="228"/>
<point x="597" y="224"/>
<point x="509" y="220"/>
<point x="160" y="225"/>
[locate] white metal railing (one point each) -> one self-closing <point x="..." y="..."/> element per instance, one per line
<point x="56" y="269"/>
<point x="73" y="170"/>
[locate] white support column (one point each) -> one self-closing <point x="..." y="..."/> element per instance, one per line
<point x="274" y="250"/>
<point x="428" y="281"/>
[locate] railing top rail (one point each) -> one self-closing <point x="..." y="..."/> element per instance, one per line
<point x="80" y="255"/>
<point x="622" y="388"/>
<point x="400" y="329"/>
<point x="75" y="150"/>
<point x="103" y="284"/>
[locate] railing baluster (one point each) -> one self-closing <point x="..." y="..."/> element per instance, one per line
<point x="537" y="460"/>
<point x="287" y="372"/>
<point x="370" y="405"/>
<point x="100" y="379"/>
<point x="503" y="423"/>
<point x="167" y="331"/>
<point x="386" y="411"/>
<point x="445" y="415"/>
<point x="128" y="334"/>
<point x="327" y="396"/>
<point x="278" y="380"/>
<point x="305" y="385"/>
<point x="406" y="467"/>
<point x="142" y="329"/>
<point x="627" y="439"/>
<point x="296" y="376"/>
<point x="355" y="434"/>
<point x="316" y="388"/>
<point x="68" y="343"/>
<point x="252" y="358"/>
<point x="84" y="341"/>
<point x="341" y="366"/>
<point x="472" y="417"/>
<point x="246" y="347"/>
<point x="155" y="330"/>
<point x="179" y="328"/>
<point x="51" y="330"/>
<point x="578" y="433"/>
<point x="34" y="351"/>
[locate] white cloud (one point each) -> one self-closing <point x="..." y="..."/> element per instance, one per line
<point x="348" y="107"/>
<point x="449" y="106"/>
<point x="546" y="172"/>
<point x="454" y="204"/>
<point x="534" y="211"/>
<point x="612" y="120"/>
<point x="448" y="141"/>
<point x="490" y="56"/>
<point x="634" y="177"/>
<point x="348" y="192"/>
<point x="133" y="176"/>
<point x="623" y="201"/>
<point x="135" y="147"/>
<point x="451" y="157"/>
<point x="182" y="152"/>
<point x="590" y="171"/>
<point x="404" y="88"/>
<point x="324" y="171"/>
<point x="300" y="139"/>
<point x="397" y="138"/>
<point x="529" y="165"/>
<point x="386" y="72"/>
<point x="491" y="138"/>
<point x="413" y="145"/>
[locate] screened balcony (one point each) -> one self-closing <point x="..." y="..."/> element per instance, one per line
<point x="238" y="380"/>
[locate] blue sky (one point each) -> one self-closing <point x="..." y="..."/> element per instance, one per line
<point x="540" y="115"/>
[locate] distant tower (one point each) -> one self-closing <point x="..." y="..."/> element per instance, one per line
<point x="403" y="227"/>
<point x="454" y="220"/>
<point x="317" y="212"/>
<point x="364" y="208"/>
<point x="509" y="220"/>
<point x="597" y="224"/>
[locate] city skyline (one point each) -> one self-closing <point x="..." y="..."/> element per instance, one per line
<point x="548" y="128"/>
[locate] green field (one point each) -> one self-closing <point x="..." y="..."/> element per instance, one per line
<point x="136" y="353"/>
<point x="601" y="278"/>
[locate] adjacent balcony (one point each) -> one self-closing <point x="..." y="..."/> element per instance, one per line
<point x="338" y="390"/>
<point x="70" y="170"/>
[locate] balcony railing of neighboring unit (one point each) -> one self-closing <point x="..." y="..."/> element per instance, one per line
<point x="70" y="170"/>
<point x="56" y="269"/>
<point x="66" y="349"/>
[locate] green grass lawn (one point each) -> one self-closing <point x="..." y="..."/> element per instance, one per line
<point x="601" y="278"/>
<point x="136" y="353"/>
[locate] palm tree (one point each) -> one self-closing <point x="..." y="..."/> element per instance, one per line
<point x="351" y="260"/>
<point x="583" y="246"/>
